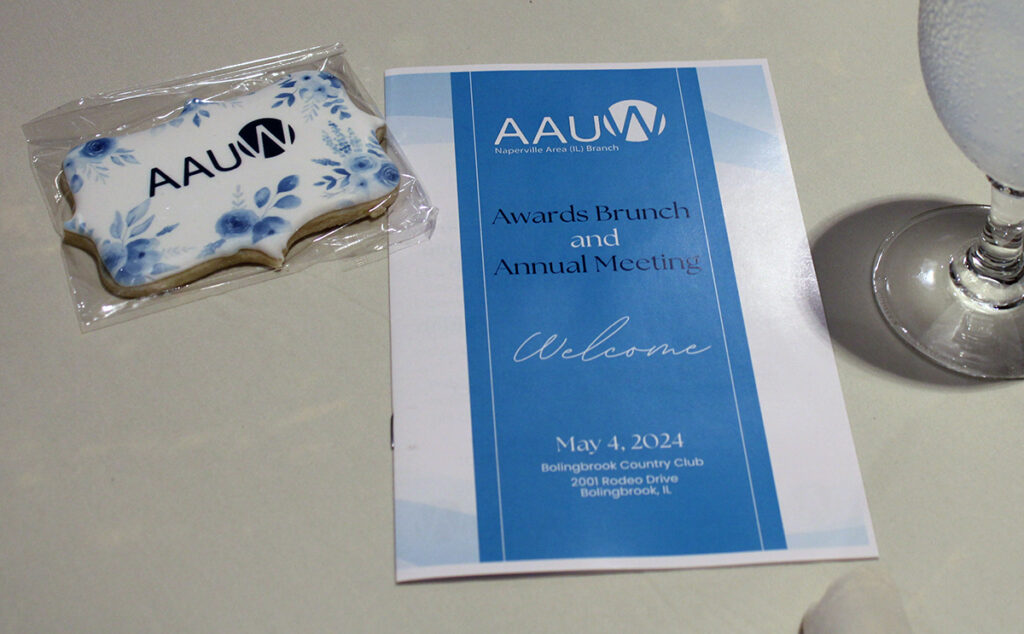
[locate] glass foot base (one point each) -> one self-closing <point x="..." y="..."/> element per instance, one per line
<point x="918" y="296"/>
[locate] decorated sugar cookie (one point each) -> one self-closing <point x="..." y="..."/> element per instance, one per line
<point x="226" y="183"/>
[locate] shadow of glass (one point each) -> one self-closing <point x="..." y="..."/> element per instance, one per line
<point x="843" y="255"/>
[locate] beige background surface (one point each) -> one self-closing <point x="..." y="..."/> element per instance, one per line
<point x="224" y="466"/>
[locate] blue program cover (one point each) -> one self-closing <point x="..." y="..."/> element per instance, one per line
<point x="581" y="355"/>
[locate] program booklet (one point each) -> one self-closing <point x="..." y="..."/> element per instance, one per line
<point x="612" y="354"/>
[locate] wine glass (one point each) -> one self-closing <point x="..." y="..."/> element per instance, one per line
<point x="950" y="282"/>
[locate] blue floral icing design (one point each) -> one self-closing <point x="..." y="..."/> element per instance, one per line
<point x="334" y="162"/>
<point x="196" y="110"/>
<point x="236" y="222"/>
<point x="357" y="161"/>
<point x="129" y="256"/>
<point x="388" y="174"/>
<point x="97" y="148"/>
<point x="313" y="91"/>
<point x="89" y="161"/>
<point x="242" y="222"/>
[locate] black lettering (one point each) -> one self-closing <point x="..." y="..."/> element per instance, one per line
<point x="217" y="166"/>
<point x="193" y="171"/>
<point x="165" y="180"/>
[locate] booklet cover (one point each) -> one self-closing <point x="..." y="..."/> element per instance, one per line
<point x="612" y="354"/>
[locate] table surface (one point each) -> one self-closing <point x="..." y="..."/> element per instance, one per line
<point x="225" y="465"/>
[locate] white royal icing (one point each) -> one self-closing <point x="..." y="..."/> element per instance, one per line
<point x="226" y="176"/>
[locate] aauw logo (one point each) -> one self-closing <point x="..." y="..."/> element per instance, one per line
<point x="631" y="120"/>
<point x="264" y="138"/>
<point x="634" y="120"/>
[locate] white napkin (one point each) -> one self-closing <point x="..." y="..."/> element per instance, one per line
<point x="863" y="601"/>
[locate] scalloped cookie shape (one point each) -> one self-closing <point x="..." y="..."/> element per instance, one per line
<point x="226" y="183"/>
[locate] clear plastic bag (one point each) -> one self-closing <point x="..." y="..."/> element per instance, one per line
<point x="410" y="218"/>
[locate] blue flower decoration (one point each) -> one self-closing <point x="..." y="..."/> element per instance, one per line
<point x="97" y="148"/>
<point x="313" y="90"/>
<point x="330" y="79"/>
<point x="130" y="258"/>
<point x="268" y="227"/>
<point x="140" y="257"/>
<point x="388" y="174"/>
<point x="359" y="158"/>
<point x="236" y="222"/>
<point x="363" y="163"/>
<point x="113" y="255"/>
<point x="89" y="161"/>
<point x="241" y="222"/>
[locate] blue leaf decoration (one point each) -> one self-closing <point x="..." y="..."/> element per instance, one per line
<point x="142" y="227"/>
<point x="117" y="227"/>
<point x="162" y="267"/>
<point x="288" y="202"/>
<point x="285" y="97"/>
<point x="137" y="212"/>
<point x="288" y="183"/>
<point x="210" y="249"/>
<point x="167" y="229"/>
<point x="262" y="196"/>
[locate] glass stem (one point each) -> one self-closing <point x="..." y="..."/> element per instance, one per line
<point x="990" y="270"/>
<point x="999" y="255"/>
